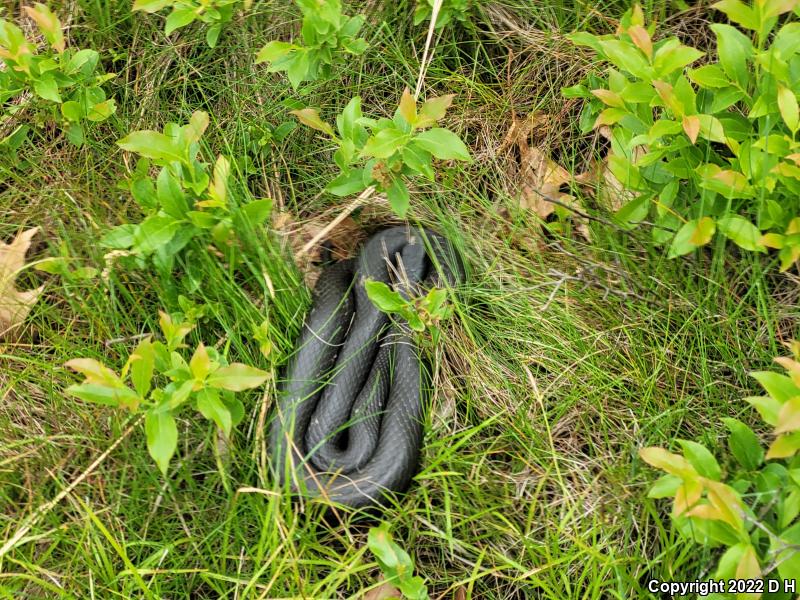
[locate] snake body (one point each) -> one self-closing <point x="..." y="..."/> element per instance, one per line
<point x="348" y="424"/>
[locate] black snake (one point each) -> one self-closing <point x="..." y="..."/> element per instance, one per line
<point x="348" y="425"/>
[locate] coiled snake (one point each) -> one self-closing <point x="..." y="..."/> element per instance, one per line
<point x="348" y="425"/>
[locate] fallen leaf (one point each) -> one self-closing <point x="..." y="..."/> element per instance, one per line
<point x="342" y="240"/>
<point x="540" y="178"/>
<point x="383" y="591"/>
<point x="15" y="305"/>
<point x="460" y="593"/>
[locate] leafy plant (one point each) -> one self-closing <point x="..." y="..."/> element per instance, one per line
<point x="184" y="201"/>
<point x="163" y="383"/>
<point x="258" y="141"/>
<point x="327" y="35"/>
<point x="385" y="152"/>
<point x="422" y="313"/>
<point x="706" y="149"/>
<point x="64" y="83"/>
<point x="214" y="13"/>
<point x="755" y="513"/>
<point x="395" y="563"/>
<point x="451" y="10"/>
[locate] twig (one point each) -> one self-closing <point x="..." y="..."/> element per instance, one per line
<point x="362" y="197"/>
<point x="423" y="66"/>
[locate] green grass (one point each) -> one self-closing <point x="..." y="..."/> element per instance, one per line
<point x="563" y="358"/>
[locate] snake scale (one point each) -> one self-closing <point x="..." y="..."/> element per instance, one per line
<point x="348" y="423"/>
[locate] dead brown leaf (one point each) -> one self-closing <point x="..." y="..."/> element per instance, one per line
<point x="383" y="591"/>
<point x="540" y="178"/>
<point x="460" y="593"/>
<point x="15" y="305"/>
<point x="342" y="240"/>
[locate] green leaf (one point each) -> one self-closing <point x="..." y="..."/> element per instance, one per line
<point x="767" y="407"/>
<point x="119" y="237"/>
<point x="142" y="363"/>
<point x="418" y="160"/>
<point x="103" y="394"/>
<point x="414" y="320"/>
<point x="398" y="196"/>
<point x="780" y="387"/>
<point x="47" y="88"/>
<point x="734" y="49"/>
<point x="711" y="128"/>
<point x="102" y="110"/>
<point x="347" y="123"/>
<point x="170" y="195"/>
<point x="670" y="59"/>
<point x="347" y="183"/>
<point x="274" y="50"/>
<point x="726" y="569"/>
<point x="627" y="57"/>
<point x="75" y="134"/>
<point x="744" y="444"/>
<point x="383" y="297"/>
<point x="701" y="459"/>
<point x="788" y="559"/>
<point x="179" y="17"/>
<point x="299" y="64"/>
<point x="634" y="211"/>
<point x="391" y="557"/>
<point x="258" y="211"/>
<point x="212" y="35"/>
<point x="443" y="144"/>
<point x="151" y="6"/>
<point x="665" y="487"/>
<point x="434" y="110"/>
<point x="741" y="232"/>
<point x="709" y="76"/>
<point x="689" y="236"/>
<point x="212" y="408"/>
<point x="162" y="436"/>
<point x="384" y="143"/>
<point x="738" y="12"/>
<point x="72" y="111"/>
<point x="152" y="144"/>
<point x="154" y="232"/>
<point x="237" y="377"/>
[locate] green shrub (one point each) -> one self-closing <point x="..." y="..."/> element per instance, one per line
<point x="421" y="313"/>
<point x="755" y="514"/>
<point x="395" y="563"/>
<point x="64" y="83"/>
<point x="206" y="382"/>
<point x="214" y="13"/>
<point x="328" y="36"/>
<point x="384" y="152"/>
<point x="185" y="201"/>
<point x="706" y="149"/>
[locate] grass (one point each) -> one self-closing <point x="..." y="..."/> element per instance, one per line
<point x="563" y="359"/>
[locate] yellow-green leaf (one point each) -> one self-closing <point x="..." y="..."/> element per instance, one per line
<point x="48" y="24"/>
<point x="789" y="416"/>
<point x="787" y="105"/>
<point x="673" y="464"/>
<point x="310" y="117"/>
<point x="408" y="107"/>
